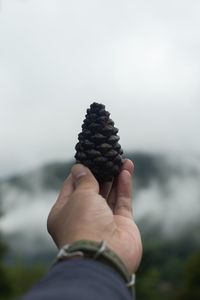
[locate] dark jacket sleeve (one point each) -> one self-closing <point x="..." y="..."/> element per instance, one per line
<point x="80" y="279"/>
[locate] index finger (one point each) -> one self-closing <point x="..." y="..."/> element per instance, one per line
<point x="112" y="199"/>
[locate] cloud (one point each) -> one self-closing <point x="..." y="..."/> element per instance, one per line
<point x="174" y="212"/>
<point x="172" y="204"/>
<point x="140" y="58"/>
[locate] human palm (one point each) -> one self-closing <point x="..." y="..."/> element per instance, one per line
<point x="84" y="210"/>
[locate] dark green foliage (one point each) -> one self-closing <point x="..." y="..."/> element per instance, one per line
<point x="191" y="287"/>
<point x="22" y="278"/>
<point x="192" y="271"/>
<point x="170" y="267"/>
<point x="5" y="284"/>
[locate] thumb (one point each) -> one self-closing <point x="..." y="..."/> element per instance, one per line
<point x="84" y="179"/>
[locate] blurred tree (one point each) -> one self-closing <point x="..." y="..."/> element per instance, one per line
<point x="5" y="284"/>
<point x="161" y="273"/>
<point x="147" y="285"/>
<point x="15" y="280"/>
<point x="191" y="289"/>
<point x="23" y="277"/>
<point x="192" y="272"/>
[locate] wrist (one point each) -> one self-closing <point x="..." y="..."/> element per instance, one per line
<point x="98" y="251"/>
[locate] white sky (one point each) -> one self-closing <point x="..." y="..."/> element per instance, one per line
<point x="140" y="58"/>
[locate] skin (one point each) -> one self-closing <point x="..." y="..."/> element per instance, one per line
<point x="85" y="210"/>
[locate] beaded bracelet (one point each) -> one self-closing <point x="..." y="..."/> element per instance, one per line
<point x="100" y="252"/>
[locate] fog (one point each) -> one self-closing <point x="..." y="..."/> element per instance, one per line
<point x="172" y="206"/>
<point x="173" y="213"/>
<point x="140" y="58"/>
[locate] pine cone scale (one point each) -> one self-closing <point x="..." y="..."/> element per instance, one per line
<point x="98" y="146"/>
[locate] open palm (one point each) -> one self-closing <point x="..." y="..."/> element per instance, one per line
<point x="84" y="210"/>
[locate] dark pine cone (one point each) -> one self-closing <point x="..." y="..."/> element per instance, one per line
<point x="98" y="147"/>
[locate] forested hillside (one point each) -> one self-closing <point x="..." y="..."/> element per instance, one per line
<point x="166" y="208"/>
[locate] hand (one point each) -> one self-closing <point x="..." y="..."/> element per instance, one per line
<point x="81" y="212"/>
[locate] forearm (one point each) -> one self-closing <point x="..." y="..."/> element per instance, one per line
<point x="80" y="279"/>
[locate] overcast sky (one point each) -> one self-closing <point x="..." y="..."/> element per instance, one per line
<point x="140" y="58"/>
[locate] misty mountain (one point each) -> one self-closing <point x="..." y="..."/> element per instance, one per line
<point x="166" y="202"/>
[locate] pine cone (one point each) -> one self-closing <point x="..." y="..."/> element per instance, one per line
<point x="98" y="147"/>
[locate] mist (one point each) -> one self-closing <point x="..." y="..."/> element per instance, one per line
<point x="141" y="59"/>
<point x="169" y="201"/>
